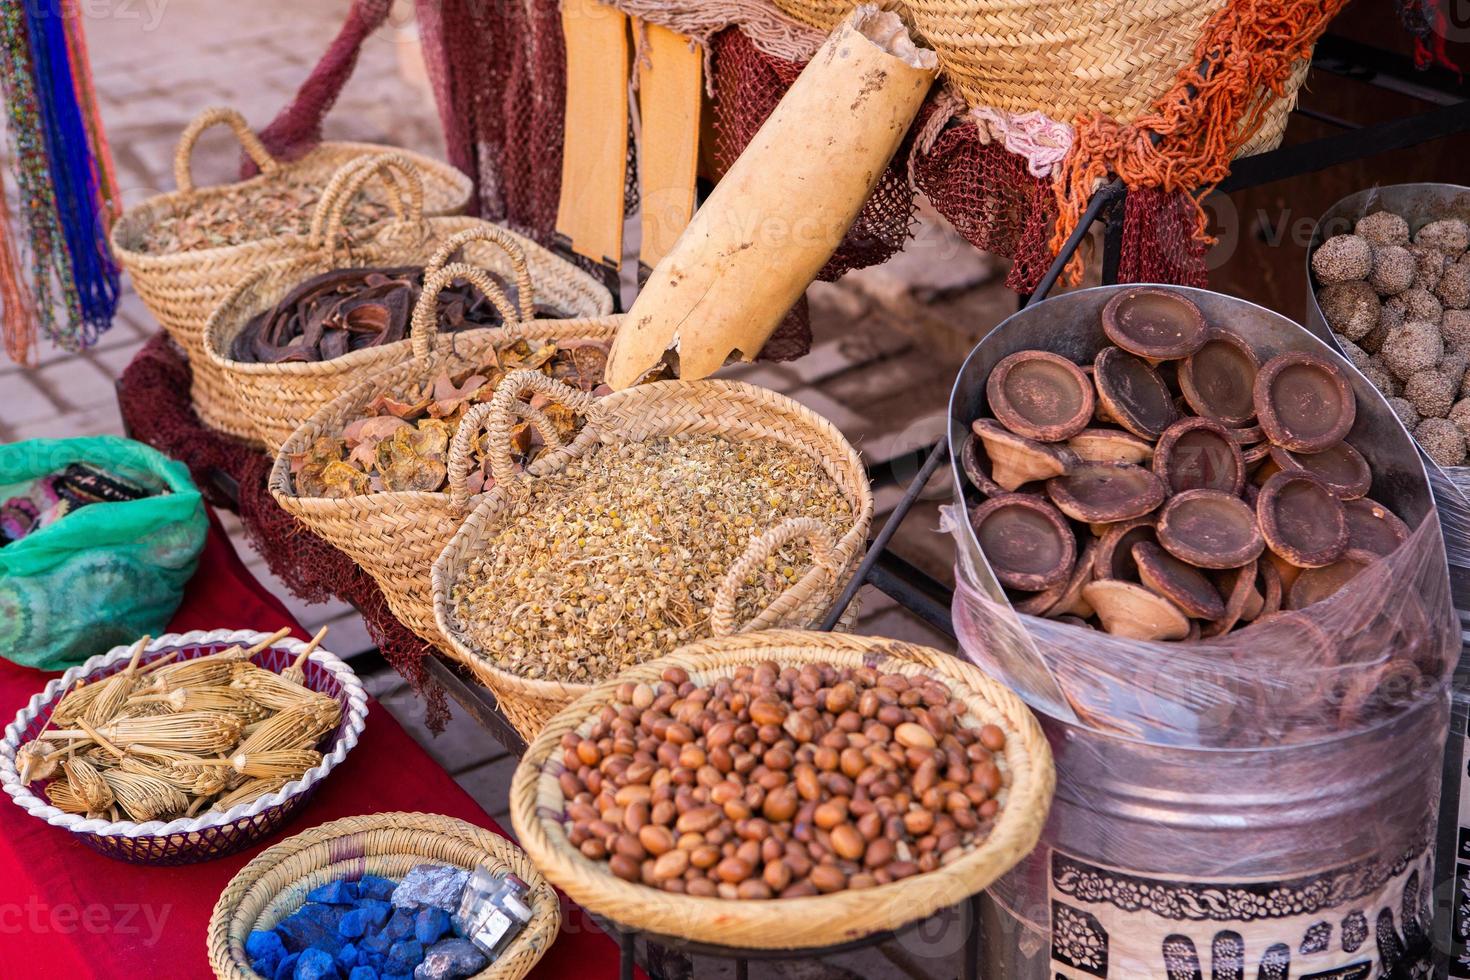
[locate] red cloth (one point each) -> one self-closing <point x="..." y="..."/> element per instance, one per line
<point x="66" y="911"/>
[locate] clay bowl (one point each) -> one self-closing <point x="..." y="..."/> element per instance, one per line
<point x="1302" y="520"/>
<point x="976" y="466"/>
<point x="1154" y="323"/>
<point x="1373" y="527"/>
<point x="1114" y="558"/>
<point x="1198" y="454"/>
<point x="1218" y="380"/>
<point x="1180" y="583"/>
<point x="1134" y="612"/>
<point x="1304" y="401"/>
<point x="1016" y="460"/>
<point x="1209" y="529"/>
<point x="1100" y="445"/>
<point x="1106" y="492"/>
<point x="1131" y="393"/>
<point x="1041" y="396"/>
<point x="1315" y="584"/>
<point x="1341" y="467"/>
<point x="1027" y="541"/>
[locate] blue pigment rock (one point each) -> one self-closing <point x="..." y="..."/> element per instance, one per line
<point x="363" y="973"/>
<point x="266" y="951"/>
<point x="376" y="887"/>
<point x="451" y="959"/>
<point x="430" y="924"/>
<point x="315" y="964"/>
<point x="339" y="892"/>
<point x="405" y="955"/>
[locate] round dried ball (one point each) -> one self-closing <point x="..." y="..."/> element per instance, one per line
<point x="1350" y="308"/>
<point x="1393" y="269"/>
<point x="1343" y="258"/>
<point x="1431" y="393"/>
<point x="1404" y="411"/>
<point x="1460" y="415"/>
<point x="1442" y="440"/>
<point x="1358" y="357"/>
<point x="1412" y="348"/>
<point x="1383" y="228"/>
<point x="1421" y="304"/>
<point x="1454" y="286"/>
<point x="1429" y="265"/>
<point x="1448" y="235"/>
<point x="1453" y="366"/>
<point x="1455" y="329"/>
<point x="1383" y="381"/>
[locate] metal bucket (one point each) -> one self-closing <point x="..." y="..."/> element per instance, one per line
<point x="1311" y="861"/>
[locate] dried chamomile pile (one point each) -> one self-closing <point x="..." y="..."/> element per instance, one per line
<point x="616" y="558"/>
<point x="403" y="445"/>
<point x="1399" y="304"/>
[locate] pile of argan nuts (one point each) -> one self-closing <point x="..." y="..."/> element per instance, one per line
<point x="779" y="782"/>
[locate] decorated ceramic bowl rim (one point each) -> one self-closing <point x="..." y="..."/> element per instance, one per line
<point x="354" y="719"/>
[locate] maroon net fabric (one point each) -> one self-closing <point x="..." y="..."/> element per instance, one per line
<point x="1158" y="240"/>
<point x="153" y="394"/>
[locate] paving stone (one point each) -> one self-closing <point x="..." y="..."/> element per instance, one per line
<point x="489" y="784"/>
<point x="22" y="401"/>
<point x="461" y="747"/>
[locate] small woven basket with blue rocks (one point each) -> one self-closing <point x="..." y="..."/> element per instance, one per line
<point x="374" y="896"/>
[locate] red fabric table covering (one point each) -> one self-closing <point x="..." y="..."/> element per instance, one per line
<point x="66" y="911"/>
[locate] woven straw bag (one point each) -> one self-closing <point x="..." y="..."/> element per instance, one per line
<point x="272" y="400"/>
<point x="275" y="883"/>
<point x="181" y="289"/>
<point x="734" y="410"/>
<point x="1062" y="58"/>
<point x="395" y="536"/>
<point x="537" y="804"/>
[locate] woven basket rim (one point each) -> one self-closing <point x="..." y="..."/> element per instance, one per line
<point x="354" y="719"/>
<point x="143" y="212"/>
<point x="767" y="923"/>
<point x="496" y="847"/>
<point x="852" y="541"/>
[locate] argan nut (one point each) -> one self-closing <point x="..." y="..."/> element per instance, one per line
<point x="1302" y="520"/>
<point x="1351" y="308"/>
<point x="1040" y="395"/>
<point x="1449" y="235"/>
<point x="1114" y="558"/>
<point x="1373" y="528"/>
<point x="1393" y="269"/>
<point x="1154" y="323"/>
<point x="1304" y="401"/>
<point x="1442" y="440"/>
<point x="1431" y="393"/>
<point x="1026" y="541"/>
<point x="1133" y="612"/>
<point x="1341" y="467"/>
<point x="1178" y="582"/>
<point x="1016" y="460"/>
<point x="1106" y="492"/>
<point x="1197" y="453"/>
<point x="1110" y="446"/>
<point x="1209" y="529"/>
<point x="1315" y="584"/>
<point x="1383" y="228"/>
<point x="1131" y="393"/>
<point x="1341" y="258"/>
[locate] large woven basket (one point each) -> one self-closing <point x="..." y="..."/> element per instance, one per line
<point x="537" y="805"/>
<point x="395" y="537"/>
<point x="274" y="884"/>
<point x="202" y="838"/>
<point x="272" y="400"/>
<point x="181" y="289"/>
<point x="1065" y="59"/>
<point x="730" y="409"/>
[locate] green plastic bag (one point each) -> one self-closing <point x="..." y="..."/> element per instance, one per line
<point x="107" y="573"/>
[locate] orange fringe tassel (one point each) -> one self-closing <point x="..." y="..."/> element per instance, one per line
<point x="1242" y="62"/>
<point x="21" y="324"/>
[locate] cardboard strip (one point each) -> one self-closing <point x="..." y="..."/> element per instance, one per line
<point x="670" y="70"/>
<point x="589" y="218"/>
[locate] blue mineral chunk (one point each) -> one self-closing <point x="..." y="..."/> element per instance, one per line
<point x="347" y="956"/>
<point x="286" y="969"/>
<point x="339" y="892"/>
<point x="312" y="925"/>
<point x="315" y="964"/>
<point x="376" y="887"/>
<point x="400" y="926"/>
<point x="353" y="924"/>
<point x="376" y="911"/>
<point x="436" y="885"/>
<point x="363" y="973"/>
<point x="405" y="955"/>
<point x="451" y="959"/>
<point x="430" y="924"/>
<point x="376" y="941"/>
<point x="266" y="951"/>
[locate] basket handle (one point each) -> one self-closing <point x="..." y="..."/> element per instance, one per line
<point x="722" y="610"/>
<point x="495" y="417"/>
<point x="254" y="148"/>
<point x="397" y="172"/>
<point x="497" y="236"/>
<point x="425" y="322"/>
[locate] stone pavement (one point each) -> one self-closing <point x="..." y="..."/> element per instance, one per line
<point x="888" y="340"/>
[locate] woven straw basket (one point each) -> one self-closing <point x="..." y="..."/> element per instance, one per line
<point x="188" y="840"/>
<point x="272" y="400"/>
<point x="395" y="537"/>
<point x="181" y="289"/>
<point x="275" y="884"/>
<point x="1059" y="57"/>
<point x="730" y="409"/>
<point x="537" y="805"/>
